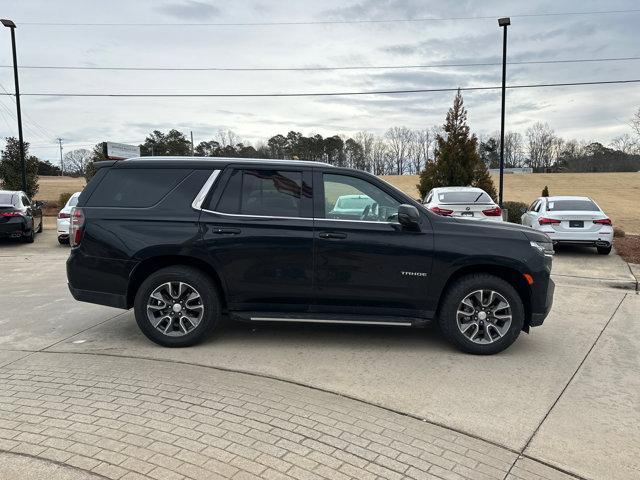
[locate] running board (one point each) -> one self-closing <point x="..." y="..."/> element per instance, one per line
<point x="326" y="320"/>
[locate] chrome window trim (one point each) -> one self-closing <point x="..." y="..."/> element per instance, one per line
<point x="202" y="194"/>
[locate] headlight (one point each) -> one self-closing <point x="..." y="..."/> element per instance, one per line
<point x="545" y="248"/>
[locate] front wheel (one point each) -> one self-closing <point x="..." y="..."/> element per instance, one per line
<point x="604" y="250"/>
<point x="40" y="226"/>
<point x="481" y="314"/>
<point x="177" y="306"/>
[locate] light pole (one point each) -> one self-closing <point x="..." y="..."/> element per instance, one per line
<point x="504" y="23"/>
<point x="12" y="26"/>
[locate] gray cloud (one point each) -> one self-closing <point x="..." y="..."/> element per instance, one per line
<point x="190" y="10"/>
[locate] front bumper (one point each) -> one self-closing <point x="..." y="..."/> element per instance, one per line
<point x="543" y="308"/>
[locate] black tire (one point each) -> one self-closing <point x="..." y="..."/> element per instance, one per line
<point x="63" y="240"/>
<point x="29" y="237"/>
<point x="447" y="318"/>
<point x="199" y="281"/>
<point x="40" y="226"/>
<point x="604" y="250"/>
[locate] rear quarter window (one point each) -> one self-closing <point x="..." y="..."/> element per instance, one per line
<point x="135" y="188"/>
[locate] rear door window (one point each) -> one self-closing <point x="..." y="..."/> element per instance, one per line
<point x="135" y="187"/>
<point x="261" y="192"/>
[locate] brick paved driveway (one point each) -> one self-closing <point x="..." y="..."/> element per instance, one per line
<point x="129" y="418"/>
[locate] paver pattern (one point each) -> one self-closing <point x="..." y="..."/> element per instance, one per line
<point x="127" y="419"/>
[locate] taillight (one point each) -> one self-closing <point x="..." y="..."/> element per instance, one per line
<point x="441" y="211"/>
<point x="11" y="214"/>
<point x="548" y="221"/>
<point x="64" y="215"/>
<point x="76" y="229"/>
<point x="493" y="212"/>
<point x="603" y="221"/>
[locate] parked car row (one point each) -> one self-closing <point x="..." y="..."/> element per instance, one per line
<point x="565" y="219"/>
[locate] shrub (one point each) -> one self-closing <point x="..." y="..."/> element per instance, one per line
<point x="545" y="191"/>
<point x="618" y="232"/>
<point x="64" y="198"/>
<point x="514" y="210"/>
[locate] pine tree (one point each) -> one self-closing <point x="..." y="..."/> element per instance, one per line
<point x="457" y="162"/>
<point x="11" y="167"/>
<point x="545" y="191"/>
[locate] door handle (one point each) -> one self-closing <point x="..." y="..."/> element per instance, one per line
<point x="226" y="231"/>
<point x="333" y="235"/>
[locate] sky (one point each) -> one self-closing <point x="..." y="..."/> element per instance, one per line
<point x="582" y="112"/>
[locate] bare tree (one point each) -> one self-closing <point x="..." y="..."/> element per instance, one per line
<point x="399" y="141"/>
<point x="228" y="138"/>
<point x="624" y="143"/>
<point x="76" y="161"/>
<point x="513" y="149"/>
<point x="541" y="142"/>
<point x="422" y="141"/>
<point x="379" y="157"/>
<point x="367" y="140"/>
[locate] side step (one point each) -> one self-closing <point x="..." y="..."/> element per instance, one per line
<point x="325" y="318"/>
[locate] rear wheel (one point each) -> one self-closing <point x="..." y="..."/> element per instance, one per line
<point x="481" y="314"/>
<point x="604" y="250"/>
<point x="29" y="237"/>
<point x="177" y="306"/>
<point x="63" y="240"/>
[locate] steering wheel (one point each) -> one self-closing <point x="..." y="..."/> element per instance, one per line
<point x="365" y="212"/>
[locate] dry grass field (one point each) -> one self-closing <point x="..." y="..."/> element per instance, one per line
<point x="52" y="187"/>
<point x="618" y="194"/>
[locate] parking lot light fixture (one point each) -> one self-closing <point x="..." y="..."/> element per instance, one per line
<point x="12" y="26"/>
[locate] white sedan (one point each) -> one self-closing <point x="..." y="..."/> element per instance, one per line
<point x="571" y="220"/>
<point x="464" y="202"/>
<point x="63" y="218"/>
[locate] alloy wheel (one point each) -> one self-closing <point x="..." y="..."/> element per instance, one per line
<point x="484" y="316"/>
<point x="175" y="308"/>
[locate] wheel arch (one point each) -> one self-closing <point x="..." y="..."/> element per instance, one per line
<point x="153" y="264"/>
<point x="510" y="275"/>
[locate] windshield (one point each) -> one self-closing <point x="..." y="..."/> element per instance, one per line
<point x="576" y="205"/>
<point x="6" y="198"/>
<point x="354" y="202"/>
<point x="464" y="197"/>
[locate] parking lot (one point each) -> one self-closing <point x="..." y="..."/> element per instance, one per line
<point x="401" y="402"/>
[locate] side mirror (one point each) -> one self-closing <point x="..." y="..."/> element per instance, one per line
<point x="38" y="204"/>
<point x="408" y="216"/>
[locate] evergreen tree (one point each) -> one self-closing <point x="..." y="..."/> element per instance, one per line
<point x="457" y="162"/>
<point x="11" y="167"/>
<point x="545" y="191"/>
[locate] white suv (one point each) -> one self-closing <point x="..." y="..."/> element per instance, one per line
<point x="464" y="202"/>
<point x="62" y="223"/>
<point x="571" y="220"/>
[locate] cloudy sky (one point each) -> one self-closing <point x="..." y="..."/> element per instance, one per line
<point x="176" y="41"/>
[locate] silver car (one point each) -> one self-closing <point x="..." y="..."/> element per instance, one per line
<point x="571" y="220"/>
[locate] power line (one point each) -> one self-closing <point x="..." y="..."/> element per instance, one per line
<point x="323" y="22"/>
<point x="323" y="94"/>
<point x="289" y="69"/>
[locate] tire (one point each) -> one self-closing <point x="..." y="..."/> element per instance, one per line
<point x="63" y="240"/>
<point x="173" y="330"/>
<point x="40" y="226"/>
<point x="491" y="335"/>
<point x="604" y="250"/>
<point x="29" y="238"/>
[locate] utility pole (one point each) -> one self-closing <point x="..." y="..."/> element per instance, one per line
<point x="61" y="162"/>
<point x="192" y="143"/>
<point x="12" y="26"/>
<point x="503" y="23"/>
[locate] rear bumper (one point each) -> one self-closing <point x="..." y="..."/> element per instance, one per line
<point x="63" y="227"/>
<point x="13" y="227"/>
<point x="101" y="298"/>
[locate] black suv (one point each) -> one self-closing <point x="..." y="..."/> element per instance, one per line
<point x="185" y="241"/>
